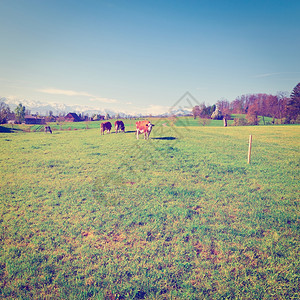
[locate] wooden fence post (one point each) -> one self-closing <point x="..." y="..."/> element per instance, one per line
<point x="249" y="150"/>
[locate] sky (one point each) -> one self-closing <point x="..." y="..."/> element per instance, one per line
<point x="143" y="56"/>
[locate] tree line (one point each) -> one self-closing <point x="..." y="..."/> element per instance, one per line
<point x="6" y="114"/>
<point x="284" y="108"/>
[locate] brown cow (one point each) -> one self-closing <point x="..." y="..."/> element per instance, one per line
<point x="143" y="127"/>
<point x="119" y="125"/>
<point x="105" y="126"/>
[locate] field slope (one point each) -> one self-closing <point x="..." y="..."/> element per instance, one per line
<point x="181" y="216"/>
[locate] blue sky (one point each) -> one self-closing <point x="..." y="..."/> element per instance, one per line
<point x="142" y="56"/>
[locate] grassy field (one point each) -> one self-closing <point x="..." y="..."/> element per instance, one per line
<point x="181" y="216"/>
<point x="129" y="123"/>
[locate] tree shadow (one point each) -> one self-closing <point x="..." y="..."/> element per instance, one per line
<point x="8" y="130"/>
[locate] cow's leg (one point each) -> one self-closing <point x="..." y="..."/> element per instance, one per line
<point x="137" y="134"/>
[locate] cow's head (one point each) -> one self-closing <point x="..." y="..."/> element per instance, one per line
<point x="149" y="125"/>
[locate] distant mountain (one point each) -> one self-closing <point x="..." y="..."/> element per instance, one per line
<point x="180" y="112"/>
<point x="58" y="108"/>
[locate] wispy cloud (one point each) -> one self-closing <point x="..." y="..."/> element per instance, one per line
<point x="274" y="74"/>
<point x="76" y="93"/>
<point x="266" y="75"/>
<point x="64" y="92"/>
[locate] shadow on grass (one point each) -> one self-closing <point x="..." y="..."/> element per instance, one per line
<point x="113" y="132"/>
<point x="8" y="130"/>
<point x="166" y="138"/>
<point x="130" y="131"/>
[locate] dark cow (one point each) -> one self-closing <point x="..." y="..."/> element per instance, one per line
<point x="119" y="125"/>
<point x="48" y="129"/>
<point x="143" y="127"/>
<point x="105" y="126"/>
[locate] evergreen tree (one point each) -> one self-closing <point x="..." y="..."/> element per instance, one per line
<point x="293" y="105"/>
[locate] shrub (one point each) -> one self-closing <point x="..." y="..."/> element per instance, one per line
<point x="240" y="122"/>
<point x="227" y="117"/>
<point x="297" y="121"/>
<point x="281" y="121"/>
<point x="252" y="119"/>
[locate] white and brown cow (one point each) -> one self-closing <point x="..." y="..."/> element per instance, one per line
<point x="119" y="126"/>
<point x="105" y="126"/>
<point x="144" y="127"/>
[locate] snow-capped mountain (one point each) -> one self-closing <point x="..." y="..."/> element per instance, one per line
<point x="57" y="108"/>
<point x="180" y="112"/>
<point x="43" y="108"/>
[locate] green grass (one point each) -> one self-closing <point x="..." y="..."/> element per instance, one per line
<point x="63" y="126"/>
<point x="129" y="124"/>
<point x="181" y="216"/>
<point x="189" y="121"/>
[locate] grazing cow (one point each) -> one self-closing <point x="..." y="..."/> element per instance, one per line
<point x="119" y="125"/>
<point x="105" y="126"/>
<point x="143" y="127"/>
<point x="48" y="129"/>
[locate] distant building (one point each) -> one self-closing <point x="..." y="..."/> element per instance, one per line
<point x="72" y="117"/>
<point x="50" y="119"/>
<point x="29" y="119"/>
<point x="98" y="118"/>
<point x="85" y="118"/>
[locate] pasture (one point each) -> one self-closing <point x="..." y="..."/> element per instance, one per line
<point x="181" y="216"/>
